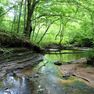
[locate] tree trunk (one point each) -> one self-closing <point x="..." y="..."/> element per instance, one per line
<point x="31" y="6"/>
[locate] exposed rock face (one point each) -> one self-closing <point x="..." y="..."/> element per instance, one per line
<point x="18" y="60"/>
<point x="11" y="65"/>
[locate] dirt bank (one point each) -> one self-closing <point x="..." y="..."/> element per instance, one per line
<point x="14" y="40"/>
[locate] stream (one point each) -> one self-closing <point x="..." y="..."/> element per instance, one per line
<point x="46" y="77"/>
<point x="15" y="85"/>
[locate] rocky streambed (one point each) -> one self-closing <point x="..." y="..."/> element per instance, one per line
<point x="31" y="73"/>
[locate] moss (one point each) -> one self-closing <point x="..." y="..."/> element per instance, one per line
<point x="1" y="84"/>
<point x="77" y="87"/>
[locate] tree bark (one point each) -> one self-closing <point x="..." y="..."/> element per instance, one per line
<point x="30" y="10"/>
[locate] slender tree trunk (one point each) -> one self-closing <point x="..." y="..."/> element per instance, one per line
<point x="24" y="14"/>
<point x="31" y="4"/>
<point x="20" y="13"/>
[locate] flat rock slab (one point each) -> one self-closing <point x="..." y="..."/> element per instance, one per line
<point x="20" y="62"/>
<point x="79" y="70"/>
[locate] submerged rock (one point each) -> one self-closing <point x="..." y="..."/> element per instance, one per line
<point x="58" y="63"/>
<point x="66" y="75"/>
<point x="90" y="61"/>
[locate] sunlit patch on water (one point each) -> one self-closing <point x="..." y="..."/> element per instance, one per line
<point x="15" y="85"/>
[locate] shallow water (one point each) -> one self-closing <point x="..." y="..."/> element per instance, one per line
<point x="69" y="55"/>
<point x="15" y="85"/>
<point x="48" y="79"/>
<point x="52" y="81"/>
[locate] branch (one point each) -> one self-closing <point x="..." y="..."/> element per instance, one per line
<point x="58" y="15"/>
<point x="7" y="10"/>
<point x="38" y="31"/>
<point x="58" y="31"/>
<point x="47" y="30"/>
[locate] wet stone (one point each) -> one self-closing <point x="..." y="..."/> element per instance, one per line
<point x="58" y="63"/>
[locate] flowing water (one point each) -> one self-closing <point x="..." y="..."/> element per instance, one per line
<point x="15" y="85"/>
<point x="46" y="77"/>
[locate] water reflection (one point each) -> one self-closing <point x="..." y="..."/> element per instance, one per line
<point x="69" y="55"/>
<point x="53" y="80"/>
<point x="15" y="85"/>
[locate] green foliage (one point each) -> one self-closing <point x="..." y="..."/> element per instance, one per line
<point x="1" y="18"/>
<point x="57" y="21"/>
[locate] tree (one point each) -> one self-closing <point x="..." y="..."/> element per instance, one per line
<point x="31" y="4"/>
